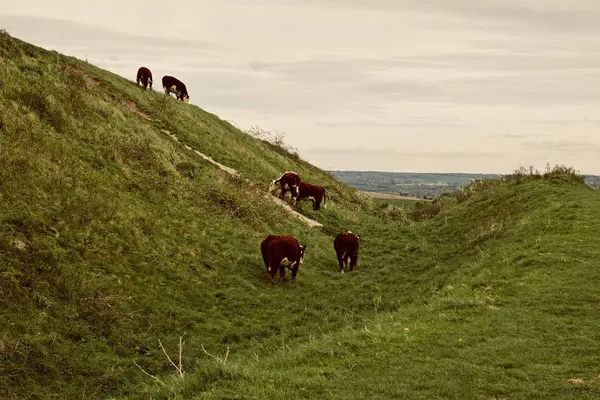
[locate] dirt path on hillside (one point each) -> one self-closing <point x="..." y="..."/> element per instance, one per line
<point x="225" y="168"/>
<point x="234" y="173"/>
<point x="142" y="113"/>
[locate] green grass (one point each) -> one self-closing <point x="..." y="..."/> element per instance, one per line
<point x="113" y="237"/>
<point x="396" y="202"/>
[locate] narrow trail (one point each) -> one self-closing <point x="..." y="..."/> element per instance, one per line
<point x="234" y="173"/>
<point x="225" y="168"/>
<point x="310" y="222"/>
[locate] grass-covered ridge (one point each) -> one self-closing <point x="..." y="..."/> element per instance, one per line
<point x="113" y="237"/>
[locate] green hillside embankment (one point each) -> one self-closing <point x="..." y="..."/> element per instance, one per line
<point x="114" y="237"/>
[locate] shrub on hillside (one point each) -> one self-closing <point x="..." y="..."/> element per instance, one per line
<point x="391" y="212"/>
<point x="275" y="139"/>
<point x="426" y="209"/>
<point x="8" y="47"/>
<point x="558" y="173"/>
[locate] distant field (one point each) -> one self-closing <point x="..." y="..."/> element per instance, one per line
<point x="410" y="185"/>
<point x="377" y="195"/>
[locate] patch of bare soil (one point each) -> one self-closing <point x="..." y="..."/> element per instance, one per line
<point x="132" y="105"/>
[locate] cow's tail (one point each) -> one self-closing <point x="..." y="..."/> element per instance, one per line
<point x="324" y="198"/>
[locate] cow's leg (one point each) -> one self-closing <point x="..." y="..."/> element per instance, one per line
<point x="315" y="204"/>
<point x="295" y="191"/>
<point x="284" y="190"/>
<point x="353" y="261"/>
<point x="281" y="273"/>
<point x="271" y="276"/>
<point x="341" y="262"/>
<point x="272" y="270"/>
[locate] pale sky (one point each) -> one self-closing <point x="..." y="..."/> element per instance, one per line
<point x="388" y="85"/>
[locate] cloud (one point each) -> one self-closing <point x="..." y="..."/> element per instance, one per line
<point x="576" y="16"/>
<point x="505" y="136"/>
<point x="371" y="152"/>
<point x="398" y="123"/>
<point x="61" y="32"/>
<point x="563" y="146"/>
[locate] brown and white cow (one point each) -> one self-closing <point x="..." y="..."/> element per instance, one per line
<point x="174" y="85"/>
<point x="314" y="193"/>
<point x="346" y="245"/>
<point x="287" y="182"/>
<point x="280" y="252"/>
<point x="144" y="75"/>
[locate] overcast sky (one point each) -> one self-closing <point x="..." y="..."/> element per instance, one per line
<point x="389" y="85"/>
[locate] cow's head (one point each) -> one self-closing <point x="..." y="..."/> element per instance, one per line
<point x="186" y="98"/>
<point x="274" y="187"/>
<point x="355" y="235"/>
<point x="301" y="250"/>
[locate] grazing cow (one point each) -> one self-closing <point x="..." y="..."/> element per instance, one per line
<point x="145" y="76"/>
<point x="346" y="245"/>
<point x="287" y="182"/>
<point x="314" y="193"/>
<point x="280" y="252"/>
<point x="174" y="85"/>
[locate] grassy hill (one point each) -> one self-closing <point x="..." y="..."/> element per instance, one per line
<point x="114" y="237"/>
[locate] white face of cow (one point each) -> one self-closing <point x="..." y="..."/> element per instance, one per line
<point x="273" y="186"/>
<point x="186" y="98"/>
<point x="302" y="249"/>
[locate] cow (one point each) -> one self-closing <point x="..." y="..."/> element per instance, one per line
<point x="314" y="193"/>
<point x="280" y="252"/>
<point x="174" y="85"/>
<point x="346" y="245"/>
<point x="144" y="75"/>
<point x="287" y="182"/>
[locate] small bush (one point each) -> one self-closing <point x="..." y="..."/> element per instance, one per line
<point x="8" y="46"/>
<point x="275" y="139"/>
<point x="426" y="209"/>
<point x="558" y="173"/>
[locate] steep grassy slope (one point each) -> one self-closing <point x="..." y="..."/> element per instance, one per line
<point x="113" y="236"/>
